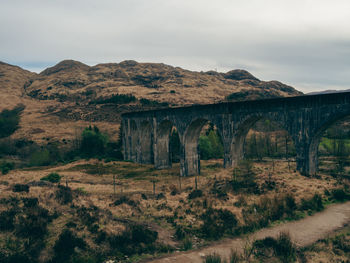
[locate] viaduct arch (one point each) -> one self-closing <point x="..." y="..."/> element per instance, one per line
<point x="146" y="134"/>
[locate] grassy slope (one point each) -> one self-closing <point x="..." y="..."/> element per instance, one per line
<point x="93" y="184"/>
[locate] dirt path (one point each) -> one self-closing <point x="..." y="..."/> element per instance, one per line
<point x="303" y="232"/>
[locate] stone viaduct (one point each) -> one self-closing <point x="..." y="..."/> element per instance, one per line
<point x="146" y="134"/>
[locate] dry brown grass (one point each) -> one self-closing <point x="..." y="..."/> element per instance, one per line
<point x="325" y="250"/>
<point x="99" y="188"/>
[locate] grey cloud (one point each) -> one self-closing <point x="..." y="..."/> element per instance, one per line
<point x="303" y="43"/>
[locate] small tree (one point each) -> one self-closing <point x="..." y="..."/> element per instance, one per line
<point x="93" y="142"/>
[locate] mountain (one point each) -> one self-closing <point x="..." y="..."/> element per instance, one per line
<point x="73" y="81"/>
<point x="71" y="95"/>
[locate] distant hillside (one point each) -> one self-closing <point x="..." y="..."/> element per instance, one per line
<point x="73" y="81"/>
<point x="327" y="92"/>
<point x="72" y="94"/>
<point x="12" y="81"/>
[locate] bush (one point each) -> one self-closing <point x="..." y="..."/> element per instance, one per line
<point x="52" y="177"/>
<point x="136" y="239"/>
<point x="266" y="210"/>
<point x="235" y="257"/>
<point x="5" y="167"/>
<point x="282" y="247"/>
<point x="187" y="244"/>
<point x="7" y="220"/>
<point x="340" y="195"/>
<point x="32" y="223"/>
<point x="9" y="120"/>
<point x="20" y="188"/>
<point x="219" y="190"/>
<point x="40" y="158"/>
<point x="285" y="248"/>
<point x="140" y="234"/>
<point x="153" y="103"/>
<point x="116" y="99"/>
<point x="125" y="200"/>
<point x="245" y="184"/>
<point x="213" y="258"/>
<point x="65" y="245"/>
<point x="180" y="233"/>
<point x="195" y="194"/>
<point x="160" y="196"/>
<point x="174" y="190"/>
<point x="113" y="150"/>
<point x="313" y="204"/>
<point x="290" y="205"/>
<point x="217" y="222"/>
<point x="28" y="224"/>
<point x="30" y="202"/>
<point x="342" y="243"/>
<point x="64" y="195"/>
<point x="88" y="215"/>
<point x="93" y="142"/>
<point x="244" y="179"/>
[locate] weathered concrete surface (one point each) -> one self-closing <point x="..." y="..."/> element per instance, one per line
<point x="146" y="134"/>
<point x="303" y="232"/>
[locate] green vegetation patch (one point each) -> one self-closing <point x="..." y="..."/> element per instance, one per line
<point x="115" y="99"/>
<point x="217" y="222"/>
<point x="282" y="248"/>
<point x="9" y="121"/>
<point x="6" y="167"/>
<point x="52" y="177"/>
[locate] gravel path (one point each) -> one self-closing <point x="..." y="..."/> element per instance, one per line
<point x="303" y="232"/>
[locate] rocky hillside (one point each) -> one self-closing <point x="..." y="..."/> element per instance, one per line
<point x="74" y="81"/>
<point x="73" y="94"/>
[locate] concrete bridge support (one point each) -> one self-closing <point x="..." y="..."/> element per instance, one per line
<point x="162" y="132"/>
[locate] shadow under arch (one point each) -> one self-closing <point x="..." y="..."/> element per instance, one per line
<point x="191" y="162"/>
<point x="239" y="139"/>
<point x="311" y="167"/>
<point x="146" y="144"/>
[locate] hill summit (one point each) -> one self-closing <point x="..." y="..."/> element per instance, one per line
<point x="74" y="94"/>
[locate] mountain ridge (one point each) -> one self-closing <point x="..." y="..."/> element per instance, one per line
<point x="71" y="94"/>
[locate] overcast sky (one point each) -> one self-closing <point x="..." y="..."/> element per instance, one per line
<point x="303" y="43"/>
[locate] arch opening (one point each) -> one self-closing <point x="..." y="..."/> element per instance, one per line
<point x="265" y="142"/>
<point x="202" y="142"/>
<point x="210" y="145"/>
<point x="167" y="150"/>
<point x="329" y="151"/>
<point x="267" y="139"/>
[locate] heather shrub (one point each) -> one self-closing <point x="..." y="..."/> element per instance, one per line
<point x="213" y="258"/>
<point x="20" y="188"/>
<point x="217" y="222"/>
<point x="195" y="194"/>
<point x="64" y="247"/>
<point x="64" y="195"/>
<point x="52" y="177"/>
